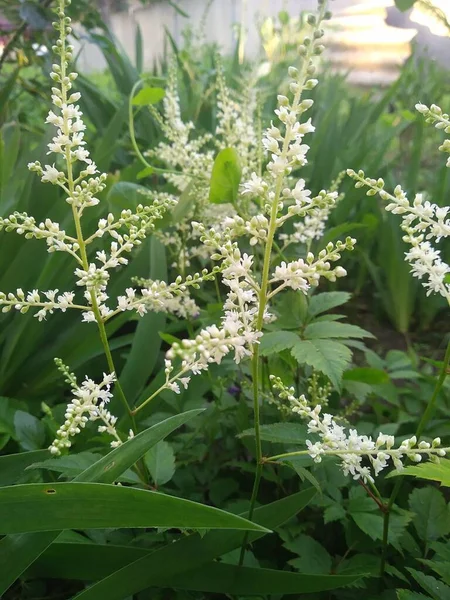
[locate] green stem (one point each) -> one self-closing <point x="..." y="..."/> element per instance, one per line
<point x="420" y="429"/>
<point x="264" y="289"/>
<point x="79" y="232"/>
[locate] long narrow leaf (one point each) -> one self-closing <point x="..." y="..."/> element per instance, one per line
<point x="190" y="552"/>
<point x="19" y="552"/>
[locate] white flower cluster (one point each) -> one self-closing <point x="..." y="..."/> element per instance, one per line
<point x="88" y="404"/>
<point x="235" y="122"/>
<point x="22" y="302"/>
<point x="237" y="332"/>
<point x="422" y="221"/>
<point x="312" y="226"/>
<point x="302" y="274"/>
<point x="350" y="447"/>
<point x="441" y="120"/>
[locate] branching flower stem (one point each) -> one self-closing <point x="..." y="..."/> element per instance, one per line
<point x="264" y="289"/>
<point x="420" y="429"/>
<point x="79" y="232"/>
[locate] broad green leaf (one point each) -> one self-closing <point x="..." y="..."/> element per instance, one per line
<point x="53" y="507"/>
<point x="434" y="587"/>
<point x="372" y="524"/>
<point x="275" y="342"/>
<point x="160" y="461"/>
<point x="30" y="432"/>
<point x="367" y="375"/>
<point x="279" y="433"/>
<point x="17" y="552"/>
<point x="225" y="177"/>
<point x="327" y="330"/>
<point x="432" y="518"/>
<point x="148" y="95"/>
<point x="191" y="552"/>
<point x="291" y="308"/>
<point x="327" y="356"/>
<point x="428" y="470"/>
<point x="12" y="466"/>
<point x="320" y="303"/>
<point x="313" y="558"/>
<point x="360" y="563"/>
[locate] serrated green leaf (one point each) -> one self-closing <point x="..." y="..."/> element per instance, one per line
<point x="313" y="558"/>
<point x="435" y="472"/>
<point x="160" y="461"/>
<point x="441" y="567"/>
<point x="372" y="525"/>
<point x="225" y="177"/>
<point x="327" y="356"/>
<point x="275" y="342"/>
<point x="434" y="587"/>
<point x="320" y="303"/>
<point x="332" y="329"/>
<point x="432" y="518"/>
<point x="148" y="95"/>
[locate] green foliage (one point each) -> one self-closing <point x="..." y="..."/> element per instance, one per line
<point x="225" y="177"/>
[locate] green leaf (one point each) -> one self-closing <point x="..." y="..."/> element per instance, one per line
<point x="148" y="95"/>
<point x="220" y="578"/>
<point x="191" y="552"/>
<point x="313" y="558"/>
<point x="428" y="470"/>
<point x="327" y="356"/>
<point x="367" y="375"/>
<point x="53" y="507"/>
<point x="434" y="587"/>
<point x="279" y="433"/>
<point x="160" y="461"/>
<point x="70" y="466"/>
<point x="146" y="345"/>
<point x="320" y="303"/>
<point x="125" y="195"/>
<point x="225" y="177"/>
<point x="326" y="330"/>
<point x="185" y="203"/>
<point x="432" y="518"/>
<point x="12" y="466"/>
<point x="291" y="308"/>
<point x="18" y="552"/>
<point x="30" y="432"/>
<point x="408" y="595"/>
<point x="372" y="524"/>
<point x="275" y="342"/>
<point x="404" y="5"/>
